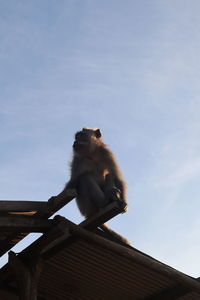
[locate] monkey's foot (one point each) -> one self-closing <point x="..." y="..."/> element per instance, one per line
<point x="124" y="206"/>
<point x="115" y="195"/>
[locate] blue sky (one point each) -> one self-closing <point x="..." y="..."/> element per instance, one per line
<point x="128" y="67"/>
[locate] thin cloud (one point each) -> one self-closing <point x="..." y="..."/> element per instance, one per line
<point x="181" y="174"/>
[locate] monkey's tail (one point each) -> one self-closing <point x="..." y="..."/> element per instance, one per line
<point x="114" y="235"/>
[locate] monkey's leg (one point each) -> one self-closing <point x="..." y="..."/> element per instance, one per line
<point x="114" y="192"/>
<point x="90" y="196"/>
<point x="110" y="189"/>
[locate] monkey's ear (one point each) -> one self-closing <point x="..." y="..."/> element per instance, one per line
<point x="98" y="133"/>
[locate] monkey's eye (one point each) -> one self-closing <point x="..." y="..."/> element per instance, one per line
<point x="81" y="136"/>
<point x="78" y="135"/>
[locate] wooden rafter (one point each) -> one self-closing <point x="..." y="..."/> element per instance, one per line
<point x="24" y="224"/>
<point x="22" y="206"/>
<point x="53" y="205"/>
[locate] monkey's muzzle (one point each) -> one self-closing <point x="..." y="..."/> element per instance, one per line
<point x="77" y="146"/>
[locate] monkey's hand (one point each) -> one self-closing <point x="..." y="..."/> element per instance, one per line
<point x="115" y="195"/>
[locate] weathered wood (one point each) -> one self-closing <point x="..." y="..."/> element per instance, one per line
<point x="59" y="232"/>
<point x="24" y="224"/>
<point x="92" y="223"/>
<point x="60" y="238"/>
<point x="35" y="249"/>
<point x="9" y="292"/>
<point x="27" y="275"/>
<point x="54" y="204"/>
<point x="103" y="215"/>
<point x="59" y="235"/>
<point x="57" y="202"/>
<point x="22" y="206"/>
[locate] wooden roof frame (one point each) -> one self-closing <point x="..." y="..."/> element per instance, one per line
<point x="65" y="232"/>
<point x="41" y="210"/>
<point x="18" y="217"/>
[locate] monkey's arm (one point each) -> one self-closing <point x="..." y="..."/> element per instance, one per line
<point x="72" y="183"/>
<point x="121" y="185"/>
<point x="114" y="178"/>
<point x="78" y="169"/>
<point x="114" y="188"/>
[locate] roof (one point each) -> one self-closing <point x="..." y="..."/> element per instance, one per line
<point x="84" y="265"/>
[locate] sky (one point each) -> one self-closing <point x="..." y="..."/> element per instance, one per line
<point x="130" y="68"/>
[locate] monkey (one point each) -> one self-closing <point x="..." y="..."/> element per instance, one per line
<point x="95" y="173"/>
<point x="97" y="178"/>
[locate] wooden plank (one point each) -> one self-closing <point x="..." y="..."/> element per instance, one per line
<point x="57" y="237"/>
<point x="22" y="206"/>
<point x="103" y="215"/>
<point x="92" y="223"/>
<point x="27" y="275"/>
<point x="53" y="205"/>
<point x="59" y="234"/>
<point x="57" y="202"/>
<point x="24" y="224"/>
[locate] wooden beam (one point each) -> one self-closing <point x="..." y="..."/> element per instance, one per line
<point x="27" y="275"/>
<point x="103" y="215"/>
<point x="59" y="234"/>
<point x="92" y="223"/>
<point x="24" y="224"/>
<point x="57" y="202"/>
<point x="22" y="206"/>
<point x="53" y="205"/>
<point x="62" y="236"/>
<point x="8" y="292"/>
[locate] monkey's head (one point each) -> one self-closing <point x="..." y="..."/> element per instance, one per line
<point x="86" y="141"/>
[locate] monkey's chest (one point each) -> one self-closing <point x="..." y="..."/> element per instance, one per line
<point x="93" y="166"/>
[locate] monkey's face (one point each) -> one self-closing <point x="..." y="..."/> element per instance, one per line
<point x="85" y="141"/>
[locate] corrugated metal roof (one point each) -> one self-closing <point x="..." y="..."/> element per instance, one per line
<point x="190" y="296"/>
<point x="90" y="268"/>
<point x="97" y="273"/>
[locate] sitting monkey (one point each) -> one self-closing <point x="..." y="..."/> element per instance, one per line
<point x="94" y="173"/>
